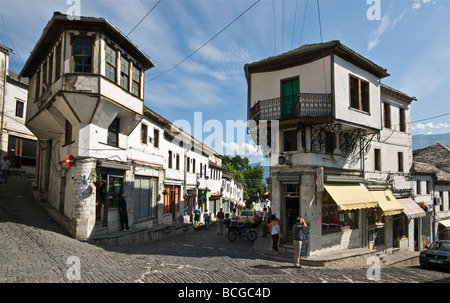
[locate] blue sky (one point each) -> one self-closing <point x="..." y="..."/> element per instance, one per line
<point x="410" y="38"/>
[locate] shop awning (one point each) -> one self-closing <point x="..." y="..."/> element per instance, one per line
<point x="387" y="202"/>
<point x="350" y="196"/>
<point x="412" y="209"/>
<point x="446" y="223"/>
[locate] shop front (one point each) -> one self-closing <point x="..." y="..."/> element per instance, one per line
<point x="382" y="229"/>
<point x="345" y="207"/>
<point x="110" y="185"/>
<point x="411" y="226"/>
<point x="171" y="204"/>
<point x="444" y="229"/>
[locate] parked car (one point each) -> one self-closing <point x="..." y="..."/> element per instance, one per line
<point x="436" y="255"/>
<point x="248" y="216"/>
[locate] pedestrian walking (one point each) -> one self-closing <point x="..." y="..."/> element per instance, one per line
<point x="123" y="213"/>
<point x="265" y="219"/>
<point x="206" y="219"/>
<point x="220" y="219"/>
<point x="197" y="212"/>
<point x="4" y="166"/>
<point x="298" y="231"/>
<point x="234" y="218"/>
<point x="274" y="228"/>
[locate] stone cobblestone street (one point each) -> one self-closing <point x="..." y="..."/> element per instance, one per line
<point x="34" y="249"/>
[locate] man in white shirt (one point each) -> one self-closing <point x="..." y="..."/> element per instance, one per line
<point x="234" y="218"/>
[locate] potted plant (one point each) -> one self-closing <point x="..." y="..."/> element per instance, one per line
<point x="165" y="192"/>
<point x="98" y="180"/>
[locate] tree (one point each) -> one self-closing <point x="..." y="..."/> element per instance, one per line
<point x="251" y="177"/>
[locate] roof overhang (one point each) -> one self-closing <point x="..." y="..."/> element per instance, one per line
<point x="61" y="22"/>
<point x="312" y="52"/>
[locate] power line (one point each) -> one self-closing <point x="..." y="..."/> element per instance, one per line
<point x="204" y="44"/>
<point x="274" y="27"/>
<point x="429" y="118"/>
<point x="144" y="17"/>
<point x="321" y="41"/>
<point x="303" y="26"/>
<point x="295" y="22"/>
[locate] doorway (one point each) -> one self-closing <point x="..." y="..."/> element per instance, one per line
<point x="291" y="200"/>
<point x="171" y="200"/>
<point x="108" y="195"/>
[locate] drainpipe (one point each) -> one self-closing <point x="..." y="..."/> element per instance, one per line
<point x="363" y="164"/>
<point x="3" y="104"/>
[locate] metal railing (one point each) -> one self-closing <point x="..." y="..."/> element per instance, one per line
<point x="304" y="105"/>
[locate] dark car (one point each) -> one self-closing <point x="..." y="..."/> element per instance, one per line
<point x="436" y="255"/>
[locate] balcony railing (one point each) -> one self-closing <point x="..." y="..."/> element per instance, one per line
<point x="304" y="105"/>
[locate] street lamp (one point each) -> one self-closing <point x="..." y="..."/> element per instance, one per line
<point x="283" y="159"/>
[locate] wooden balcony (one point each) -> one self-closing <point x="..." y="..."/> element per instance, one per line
<point x="309" y="108"/>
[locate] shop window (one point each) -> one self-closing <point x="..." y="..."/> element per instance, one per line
<point x="145" y="196"/>
<point x="334" y="220"/>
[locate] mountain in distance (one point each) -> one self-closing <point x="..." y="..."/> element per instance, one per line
<point x="421" y="141"/>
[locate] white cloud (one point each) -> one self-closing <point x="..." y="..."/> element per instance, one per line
<point x="429" y="125"/>
<point x="418" y="4"/>
<point x="385" y="25"/>
<point x="243" y="149"/>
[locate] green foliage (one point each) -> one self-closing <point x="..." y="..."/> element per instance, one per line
<point x="251" y="177"/>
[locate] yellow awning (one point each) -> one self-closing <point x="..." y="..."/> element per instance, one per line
<point x="387" y="202"/>
<point x="350" y="196"/>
